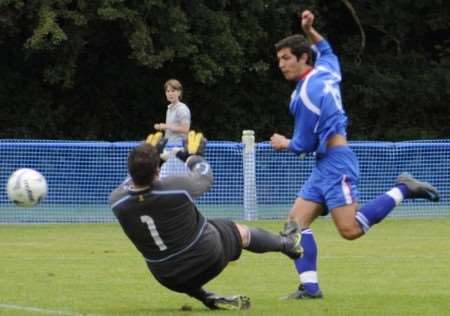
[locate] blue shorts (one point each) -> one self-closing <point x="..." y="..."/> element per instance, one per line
<point x="334" y="179"/>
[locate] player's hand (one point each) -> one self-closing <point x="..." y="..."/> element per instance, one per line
<point x="307" y="20"/>
<point x="279" y="142"/>
<point x="194" y="145"/>
<point x="157" y="140"/>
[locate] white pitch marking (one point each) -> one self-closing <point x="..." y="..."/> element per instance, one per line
<point x="41" y="310"/>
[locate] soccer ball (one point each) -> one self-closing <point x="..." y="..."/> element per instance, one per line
<point x="26" y="187"/>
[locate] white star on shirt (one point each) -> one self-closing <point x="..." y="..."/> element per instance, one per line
<point x="335" y="93"/>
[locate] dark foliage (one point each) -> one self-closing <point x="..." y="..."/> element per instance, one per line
<point x="95" y="69"/>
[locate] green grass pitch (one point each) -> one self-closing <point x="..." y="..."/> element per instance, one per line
<point x="402" y="267"/>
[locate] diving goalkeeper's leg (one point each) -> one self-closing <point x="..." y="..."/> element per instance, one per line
<point x="260" y="241"/>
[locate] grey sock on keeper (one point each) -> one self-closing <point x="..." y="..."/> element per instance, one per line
<point x="263" y="241"/>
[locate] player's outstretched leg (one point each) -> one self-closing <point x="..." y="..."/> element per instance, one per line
<point x="418" y="189"/>
<point x="407" y="187"/>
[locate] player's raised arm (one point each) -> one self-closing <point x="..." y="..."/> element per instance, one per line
<point x="325" y="55"/>
<point x="307" y="21"/>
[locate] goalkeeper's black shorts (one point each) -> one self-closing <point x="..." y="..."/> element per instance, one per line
<point x="219" y="244"/>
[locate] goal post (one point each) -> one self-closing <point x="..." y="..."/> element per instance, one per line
<point x="249" y="168"/>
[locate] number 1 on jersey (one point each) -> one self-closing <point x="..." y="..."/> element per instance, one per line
<point x="153" y="231"/>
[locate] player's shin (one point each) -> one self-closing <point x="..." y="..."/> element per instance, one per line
<point x="376" y="210"/>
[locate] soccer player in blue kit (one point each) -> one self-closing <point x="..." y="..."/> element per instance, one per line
<point x="320" y="127"/>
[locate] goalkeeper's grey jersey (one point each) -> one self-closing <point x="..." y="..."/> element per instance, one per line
<point x="163" y="221"/>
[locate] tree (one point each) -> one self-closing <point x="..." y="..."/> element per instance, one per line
<point x="95" y="69"/>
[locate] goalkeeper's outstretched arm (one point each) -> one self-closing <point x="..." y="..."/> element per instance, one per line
<point x="197" y="181"/>
<point x="199" y="178"/>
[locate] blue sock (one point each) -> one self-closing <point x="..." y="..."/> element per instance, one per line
<point x="376" y="210"/>
<point x="307" y="264"/>
<point x="404" y="189"/>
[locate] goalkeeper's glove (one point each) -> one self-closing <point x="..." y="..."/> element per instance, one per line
<point x="158" y="142"/>
<point x="193" y="145"/>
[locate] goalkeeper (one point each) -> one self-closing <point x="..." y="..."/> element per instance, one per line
<point x="183" y="249"/>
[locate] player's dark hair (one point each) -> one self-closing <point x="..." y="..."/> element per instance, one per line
<point x="143" y="163"/>
<point x="298" y="44"/>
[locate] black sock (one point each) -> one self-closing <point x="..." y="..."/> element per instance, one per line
<point x="202" y="295"/>
<point x="199" y="293"/>
<point x="263" y="241"/>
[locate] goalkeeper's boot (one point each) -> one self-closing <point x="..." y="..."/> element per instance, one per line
<point x="418" y="189"/>
<point x="302" y="294"/>
<point x="236" y="302"/>
<point x="292" y="238"/>
<point x="292" y="247"/>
